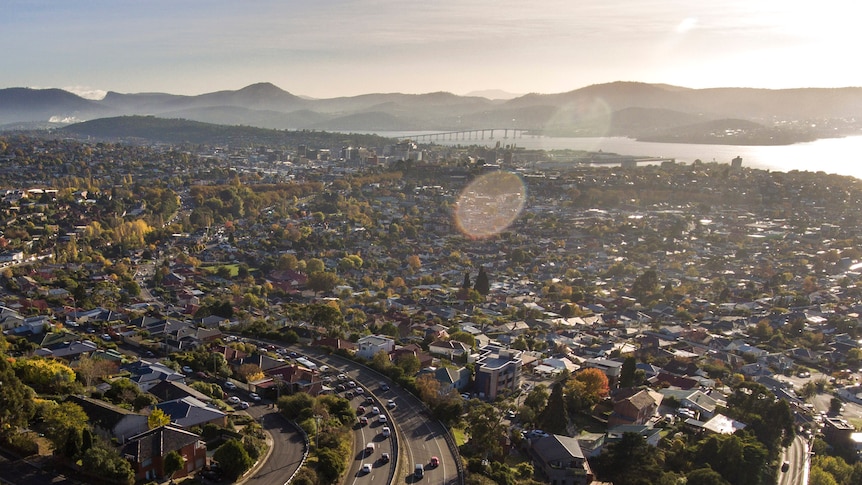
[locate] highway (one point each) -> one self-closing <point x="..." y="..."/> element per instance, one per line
<point x="287" y="444"/>
<point x="419" y="436"/>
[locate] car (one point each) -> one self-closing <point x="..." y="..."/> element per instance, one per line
<point x="188" y="370"/>
<point x="384" y="457"/>
<point x="106" y="337"/>
<point x="342" y="377"/>
<point x="785" y="466"/>
<point x="351" y="384"/>
<point x="435" y="462"/>
<point x="419" y="470"/>
<point x="381" y="418"/>
<point x="348" y="395"/>
<point x="803" y="374"/>
<point x="149" y="353"/>
<point x="369" y="400"/>
<point x="366" y="468"/>
<point x="511" y="414"/>
<point x="229" y="385"/>
<point x="359" y="391"/>
<point x="233" y="400"/>
<point x="390" y="404"/>
<point x="360" y="410"/>
<point x="375" y="410"/>
<point x="385" y="431"/>
<point x="363" y="420"/>
<point x="293" y="355"/>
<point x="254" y="396"/>
<point x="244" y="405"/>
<point x="339" y="388"/>
<point x="384" y="386"/>
<point x="465" y="396"/>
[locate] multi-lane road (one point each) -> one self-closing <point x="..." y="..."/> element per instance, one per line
<point x="419" y="437"/>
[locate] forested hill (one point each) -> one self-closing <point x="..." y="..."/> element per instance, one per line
<point x="179" y="131"/>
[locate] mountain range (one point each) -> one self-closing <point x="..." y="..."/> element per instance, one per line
<point x="656" y="112"/>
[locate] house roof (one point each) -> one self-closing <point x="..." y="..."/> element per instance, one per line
<point x="189" y="411"/>
<point x="557" y="448"/>
<point x="158" y="442"/>
<point x="170" y="390"/>
<point x="101" y="413"/>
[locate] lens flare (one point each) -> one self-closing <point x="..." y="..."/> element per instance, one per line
<point x="490" y="204"/>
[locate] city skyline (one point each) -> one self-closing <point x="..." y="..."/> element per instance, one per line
<point x="347" y="48"/>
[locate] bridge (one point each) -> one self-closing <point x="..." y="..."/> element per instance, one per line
<point x="476" y="134"/>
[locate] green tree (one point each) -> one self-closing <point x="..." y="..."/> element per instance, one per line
<point x="174" y="462"/>
<point x="16" y="400"/>
<point x="485" y="426"/>
<point x="630" y="461"/>
<point x="59" y="420"/>
<point x="482" y="285"/>
<point x="330" y="465"/>
<point x="705" y="476"/>
<point x="537" y="398"/>
<point x="627" y="372"/>
<point x="233" y="459"/>
<point x="555" y="417"/>
<point x="108" y="465"/>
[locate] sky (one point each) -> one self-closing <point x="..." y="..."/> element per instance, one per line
<point x="331" y="48"/>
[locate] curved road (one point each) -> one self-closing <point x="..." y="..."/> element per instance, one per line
<point x="797" y="456"/>
<point x="288" y="446"/>
<point x="420" y="437"/>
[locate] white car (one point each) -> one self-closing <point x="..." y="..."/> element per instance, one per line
<point x="381" y="418"/>
<point x="187" y="370"/>
<point x="233" y="400"/>
<point x="366" y="468"/>
<point x="385" y="431"/>
<point x="243" y="405"/>
<point x="390" y="404"/>
<point x="254" y="397"/>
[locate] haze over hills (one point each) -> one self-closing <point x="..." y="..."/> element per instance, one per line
<point x="655" y="112"/>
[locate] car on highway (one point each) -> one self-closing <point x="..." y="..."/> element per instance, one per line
<point x="785" y="466"/>
<point x="419" y="470"/>
<point x="384" y="458"/>
<point x="385" y="431"/>
<point x="435" y="462"/>
<point x="363" y="420"/>
<point x="366" y="468"/>
<point x="381" y="418"/>
<point x="384" y="386"/>
<point x="375" y="410"/>
<point x="390" y="404"/>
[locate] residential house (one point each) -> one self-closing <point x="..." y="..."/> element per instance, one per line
<point x="147" y="374"/>
<point x="450" y="378"/>
<point x="170" y="390"/>
<point x="560" y="460"/>
<point x="703" y="404"/>
<point x="372" y="344"/>
<point x="110" y="421"/>
<point x="721" y="424"/>
<point x="452" y="350"/>
<point x="637" y="408"/>
<point x="147" y="452"/>
<point x="615" y="434"/>
<point x="611" y="369"/>
<point x="188" y="412"/>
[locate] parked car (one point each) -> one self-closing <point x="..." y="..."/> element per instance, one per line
<point x="363" y="420"/>
<point x="375" y="410"/>
<point x="369" y="400"/>
<point x="381" y="418"/>
<point x="188" y="370"/>
<point x="244" y="405"/>
<point x="229" y="385"/>
<point x="254" y="397"/>
<point x="233" y="400"/>
<point x="360" y="410"/>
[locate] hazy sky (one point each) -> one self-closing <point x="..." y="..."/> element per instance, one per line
<point x="329" y="48"/>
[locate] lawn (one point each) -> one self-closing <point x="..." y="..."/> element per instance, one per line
<point x="460" y="436"/>
<point x="234" y="269"/>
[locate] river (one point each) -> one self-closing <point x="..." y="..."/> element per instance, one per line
<point x="841" y="156"/>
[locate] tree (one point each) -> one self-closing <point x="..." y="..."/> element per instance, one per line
<point x="108" y="465"/>
<point x="233" y="459"/>
<point x="537" y="398"/>
<point x="330" y="465"/>
<point x="90" y="369"/>
<point x="173" y="463"/>
<point x="429" y="389"/>
<point x="705" y="476"/>
<point x="587" y="388"/>
<point x="482" y="285"/>
<point x="16" y="400"/>
<point x="409" y="363"/>
<point x="466" y="283"/>
<point x="484" y="423"/>
<point x="157" y="418"/>
<point x="59" y="420"/>
<point x="555" y="417"/>
<point x="645" y="285"/>
<point x="627" y="372"/>
<point x="322" y="281"/>
<point x="630" y="461"/>
<point x="463" y="337"/>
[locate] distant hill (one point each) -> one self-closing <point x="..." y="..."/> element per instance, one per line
<point x="178" y="131"/>
<point x="629" y="109"/>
